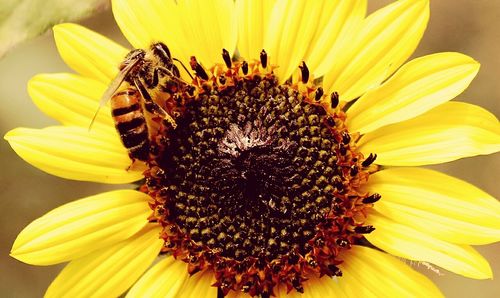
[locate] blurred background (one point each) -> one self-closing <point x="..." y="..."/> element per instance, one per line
<point x="466" y="26"/>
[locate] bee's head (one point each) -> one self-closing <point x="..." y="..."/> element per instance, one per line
<point x="161" y="50"/>
<point x="163" y="57"/>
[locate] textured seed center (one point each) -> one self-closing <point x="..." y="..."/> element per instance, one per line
<point x="251" y="172"/>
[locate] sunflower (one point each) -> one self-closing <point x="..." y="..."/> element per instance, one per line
<point x="284" y="162"/>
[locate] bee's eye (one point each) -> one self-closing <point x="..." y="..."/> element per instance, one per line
<point x="165" y="48"/>
<point x="161" y="50"/>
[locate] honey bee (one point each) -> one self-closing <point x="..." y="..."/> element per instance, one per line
<point x="146" y="93"/>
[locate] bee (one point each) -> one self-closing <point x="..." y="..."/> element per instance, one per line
<point x="146" y="94"/>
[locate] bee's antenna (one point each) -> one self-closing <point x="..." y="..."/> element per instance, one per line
<point x="184" y="67"/>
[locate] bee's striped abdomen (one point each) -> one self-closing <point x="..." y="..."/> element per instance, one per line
<point x="130" y="123"/>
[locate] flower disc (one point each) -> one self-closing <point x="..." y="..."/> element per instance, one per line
<point x="258" y="181"/>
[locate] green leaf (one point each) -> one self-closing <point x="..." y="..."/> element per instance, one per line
<point x="24" y="19"/>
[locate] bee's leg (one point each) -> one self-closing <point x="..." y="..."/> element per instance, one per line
<point x="171" y="69"/>
<point x="153" y="81"/>
<point x="151" y="106"/>
<point x="176" y="71"/>
<point x="172" y="75"/>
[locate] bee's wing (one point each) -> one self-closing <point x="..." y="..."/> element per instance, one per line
<point x="113" y="86"/>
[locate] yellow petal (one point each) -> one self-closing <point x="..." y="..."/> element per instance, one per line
<point x="71" y="99"/>
<point x="434" y="203"/>
<point x="417" y="87"/>
<point x="314" y="287"/>
<point x="253" y="17"/>
<point x="403" y="241"/>
<point x="288" y="34"/>
<point x="140" y="22"/>
<point x="78" y="228"/>
<point x="199" y="285"/>
<point x="233" y="294"/>
<point x="163" y="280"/>
<point x="149" y="21"/>
<point x="352" y="286"/>
<point x="448" y="132"/>
<point x="88" y="52"/>
<point x="74" y="153"/>
<point x="209" y="27"/>
<point x="339" y="21"/>
<point x="382" y="275"/>
<point x="110" y="271"/>
<point x="388" y="37"/>
<point x="319" y="287"/>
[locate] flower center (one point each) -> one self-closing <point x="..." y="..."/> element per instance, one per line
<point x="258" y="181"/>
<point x="250" y="172"/>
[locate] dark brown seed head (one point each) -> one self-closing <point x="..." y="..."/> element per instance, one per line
<point x="255" y="182"/>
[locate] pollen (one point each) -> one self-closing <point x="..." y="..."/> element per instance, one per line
<point x="259" y="181"/>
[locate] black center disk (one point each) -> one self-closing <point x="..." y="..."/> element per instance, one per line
<point x="252" y="172"/>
